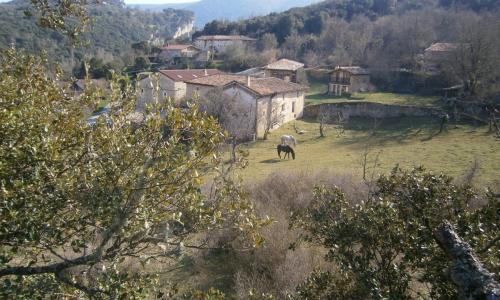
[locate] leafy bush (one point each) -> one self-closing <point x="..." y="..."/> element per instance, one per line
<point x="385" y="247"/>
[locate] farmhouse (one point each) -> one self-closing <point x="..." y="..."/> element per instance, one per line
<point x="169" y="52"/>
<point x="437" y="55"/>
<point x="167" y="83"/>
<point x="348" y="80"/>
<point x="219" y="43"/>
<point x="256" y="105"/>
<point x="285" y="69"/>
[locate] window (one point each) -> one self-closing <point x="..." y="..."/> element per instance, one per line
<point x="142" y="91"/>
<point x="293" y="106"/>
<point x="164" y="94"/>
<point x="283" y="107"/>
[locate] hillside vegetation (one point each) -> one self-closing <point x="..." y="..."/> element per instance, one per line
<point x="209" y="10"/>
<point x="113" y="30"/>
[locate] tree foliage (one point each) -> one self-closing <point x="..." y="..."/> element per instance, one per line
<point x="109" y="33"/>
<point x="77" y="202"/>
<point x="385" y="248"/>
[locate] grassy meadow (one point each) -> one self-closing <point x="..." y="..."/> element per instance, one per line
<point x="318" y="94"/>
<point x="408" y="142"/>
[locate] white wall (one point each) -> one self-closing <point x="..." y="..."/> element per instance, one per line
<point x="149" y="91"/>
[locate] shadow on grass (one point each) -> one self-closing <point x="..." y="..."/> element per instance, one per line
<point x="271" y="161"/>
<point x="389" y="130"/>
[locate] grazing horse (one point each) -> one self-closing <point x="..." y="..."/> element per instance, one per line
<point x="287" y="149"/>
<point x="288" y="140"/>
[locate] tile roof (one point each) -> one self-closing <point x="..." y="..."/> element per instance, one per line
<point x="285" y="64"/>
<point x="218" y="80"/>
<point x="268" y="86"/>
<point x="225" y="38"/>
<point x="260" y="86"/>
<point x="353" y="70"/>
<point x="442" y="47"/>
<point x="177" y="47"/>
<point x="187" y="75"/>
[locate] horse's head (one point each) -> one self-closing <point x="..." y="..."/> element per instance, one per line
<point x="293" y="153"/>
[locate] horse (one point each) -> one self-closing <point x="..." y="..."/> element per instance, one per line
<point x="287" y="149"/>
<point x="288" y="140"/>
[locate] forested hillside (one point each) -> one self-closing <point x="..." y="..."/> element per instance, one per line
<point x="383" y="35"/>
<point x="311" y="19"/>
<point x="209" y="10"/>
<point x="113" y="30"/>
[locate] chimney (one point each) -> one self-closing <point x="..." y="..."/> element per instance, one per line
<point x="249" y="79"/>
<point x="206" y="72"/>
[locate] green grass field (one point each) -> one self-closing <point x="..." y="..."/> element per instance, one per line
<point x="317" y="94"/>
<point x="408" y="142"/>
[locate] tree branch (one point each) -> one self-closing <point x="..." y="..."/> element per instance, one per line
<point x="467" y="272"/>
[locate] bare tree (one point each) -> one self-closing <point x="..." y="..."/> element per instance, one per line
<point x="235" y="117"/>
<point x="274" y="118"/>
<point x="475" y="60"/>
<point x="323" y="119"/>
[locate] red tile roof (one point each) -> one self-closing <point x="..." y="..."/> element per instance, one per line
<point x="187" y="75"/>
<point x="270" y="85"/>
<point x="260" y="86"/>
<point x="218" y="80"/>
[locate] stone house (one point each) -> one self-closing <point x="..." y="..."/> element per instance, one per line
<point x="251" y="105"/>
<point x="349" y="80"/>
<point x="167" y="83"/>
<point x="170" y="52"/>
<point x="437" y="55"/>
<point x="219" y="43"/>
<point x="285" y="69"/>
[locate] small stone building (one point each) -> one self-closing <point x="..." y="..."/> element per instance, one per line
<point x="349" y="80"/>
<point x="255" y="104"/>
<point x="167" y="83"/>
<point x="285" y="69"/>
<point x="169" y="52"/>
<point x="438" y="55"/>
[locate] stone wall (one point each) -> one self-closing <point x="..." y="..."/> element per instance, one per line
<point x="367" y="109"/>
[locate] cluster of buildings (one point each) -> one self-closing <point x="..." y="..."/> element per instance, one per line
<point x="262" y="103"/>
<point x="265" y="97"/>
<point x="203" y="49"/>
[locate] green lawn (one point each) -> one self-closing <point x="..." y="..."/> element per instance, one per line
<point x="379" y="97"/>
<point x="317" y="94"/>
<point x="408" y="142"/>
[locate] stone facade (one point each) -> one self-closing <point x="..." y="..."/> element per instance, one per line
<point x="255" y="113"/>
<point x="170" y="52"/>
<point x="349" y="80"/>
<point x="252" y="105"/>
<point x="284" y="69"/>
<point x="367" y="110"/>
<point x="438" y="55"/>
<point x="166" y="84"/>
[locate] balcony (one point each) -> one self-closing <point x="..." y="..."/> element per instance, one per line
<point x="342" y="81"/>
